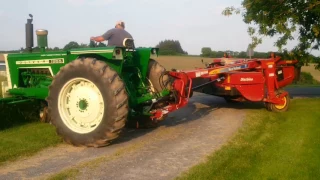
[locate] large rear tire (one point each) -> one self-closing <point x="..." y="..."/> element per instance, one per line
<point x="87" y="103"/>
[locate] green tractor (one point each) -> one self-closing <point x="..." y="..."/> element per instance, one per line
<point x="91" y="94"/>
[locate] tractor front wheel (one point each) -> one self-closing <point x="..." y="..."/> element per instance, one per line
<point x="87" y="103"/>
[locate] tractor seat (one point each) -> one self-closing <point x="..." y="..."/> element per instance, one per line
<point x="129" y="44"/>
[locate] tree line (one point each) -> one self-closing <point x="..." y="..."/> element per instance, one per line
<point x="283" y="19"/>
<point x="170" y="47"/>
<point x="70" y="45"/>
<point x="307" y="58"/>
<point x="173" y="47"/>
<point x="167" y="47"/>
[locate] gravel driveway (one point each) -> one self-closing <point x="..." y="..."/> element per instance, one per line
<point x="184" y="139"/>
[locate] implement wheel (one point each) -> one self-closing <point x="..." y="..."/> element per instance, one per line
<point x="279" y="108"/>
<point x="157" y="76"/>
<point x="160" y="81"/>
<point x="87" y="103"/>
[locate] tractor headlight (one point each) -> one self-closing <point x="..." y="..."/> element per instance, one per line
<point x="154" y="52"/>
<point x="117" y="53"/>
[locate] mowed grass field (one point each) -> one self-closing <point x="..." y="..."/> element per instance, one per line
<point x="315" y="73"/>
<point x="269" y="146"/>
<point x="182" y="62"/>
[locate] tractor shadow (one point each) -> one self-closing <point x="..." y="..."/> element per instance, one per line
<point x="199" y="106"/>
<point x="202" y="105"/>
<point x="15" y="115"/>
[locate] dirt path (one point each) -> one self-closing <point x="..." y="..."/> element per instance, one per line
<point x="183" y="140"/>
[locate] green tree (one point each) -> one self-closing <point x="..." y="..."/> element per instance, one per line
<point x="170" y="47"/>
<point x="282" y="18"/>
<point x="56" y="49"/>
<point x="83" y="45"/>
<point x="92" y="44"/>
<point x="101" y="44"/>
<point x="71" y="45"/>
<point x="242" y="54"/>
<point x="206" y="52"/>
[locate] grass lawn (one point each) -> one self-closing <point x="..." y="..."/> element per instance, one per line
<point x="269" y="146"/>
<point x="21" y="133"/>
<point x="26" y="140"/>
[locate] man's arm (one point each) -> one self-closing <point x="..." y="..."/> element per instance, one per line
<point x="103" y="37"/>
<point x="98" y="39"/>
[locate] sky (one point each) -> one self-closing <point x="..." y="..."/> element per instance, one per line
<point x="195" y="24"/>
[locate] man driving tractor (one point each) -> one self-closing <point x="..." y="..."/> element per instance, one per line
<point x="114" y="36"/>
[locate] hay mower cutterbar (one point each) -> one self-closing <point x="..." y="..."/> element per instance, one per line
<point x="239" y="80"/>
<point x="236" y="80"/>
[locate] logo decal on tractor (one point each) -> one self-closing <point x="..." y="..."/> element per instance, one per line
<point x="53" y="55"/>
<point x="92" y="51"/>
<point x="42" y="61"/>
<point x="246" y="79"/>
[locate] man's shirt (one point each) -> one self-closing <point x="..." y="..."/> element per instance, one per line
<point x="116" y="36"/>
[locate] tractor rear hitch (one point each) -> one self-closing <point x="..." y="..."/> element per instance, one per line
<point x="182" y="88"/>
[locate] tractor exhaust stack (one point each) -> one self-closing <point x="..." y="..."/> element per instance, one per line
<point x="29" y="34"/>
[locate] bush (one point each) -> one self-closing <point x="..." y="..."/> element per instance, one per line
<point x="171" y="47"/>
<point x="307" y="78"/>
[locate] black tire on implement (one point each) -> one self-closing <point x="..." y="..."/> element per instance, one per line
<point x="160" y="81"/>
<point x="157" y="76"/>
<point x="113" y="94"/>
<point x="285" y="107"/>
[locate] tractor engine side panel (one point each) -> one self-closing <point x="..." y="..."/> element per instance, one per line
<point x="31" y="74"/>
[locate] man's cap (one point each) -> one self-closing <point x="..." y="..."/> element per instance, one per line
<point x="121" y="23"/>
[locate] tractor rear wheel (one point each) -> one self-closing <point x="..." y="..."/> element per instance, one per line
<point x="87" y="103"/>
<point x="280" y="108"/>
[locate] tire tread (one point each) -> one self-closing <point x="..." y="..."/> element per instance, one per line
<point x="117" y="86"/>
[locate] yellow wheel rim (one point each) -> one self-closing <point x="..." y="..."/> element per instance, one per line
<point x="282" y="106"/>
